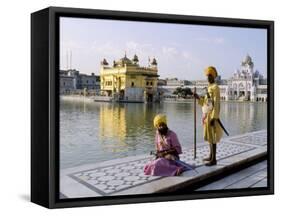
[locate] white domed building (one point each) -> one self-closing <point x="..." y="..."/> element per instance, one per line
<point x="246" y="84"/>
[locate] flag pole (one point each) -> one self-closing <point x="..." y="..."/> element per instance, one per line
<point x="194" y="124"/>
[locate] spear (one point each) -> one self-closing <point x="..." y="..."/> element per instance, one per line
<point x="194" y="124"/>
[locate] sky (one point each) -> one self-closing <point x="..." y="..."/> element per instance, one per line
<point x="181" y="50"/>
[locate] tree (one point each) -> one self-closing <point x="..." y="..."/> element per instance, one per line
<point x="178" y="91"/>
<point x="182" y="92"/>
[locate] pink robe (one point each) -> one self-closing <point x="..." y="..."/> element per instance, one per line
<point x="162" y="166"/>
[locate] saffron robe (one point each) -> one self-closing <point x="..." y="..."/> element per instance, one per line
<point x="212" y="134"/>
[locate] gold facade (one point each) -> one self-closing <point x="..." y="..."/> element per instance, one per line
<point x="125" y="79"/>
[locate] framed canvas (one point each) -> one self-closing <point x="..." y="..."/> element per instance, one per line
<point x="131" y="107"/>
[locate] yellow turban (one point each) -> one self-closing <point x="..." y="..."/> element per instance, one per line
<point x="212" y="71"/>
<point x="160" y="118"/>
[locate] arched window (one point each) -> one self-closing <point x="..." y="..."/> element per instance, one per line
<point x="241" y="86"/>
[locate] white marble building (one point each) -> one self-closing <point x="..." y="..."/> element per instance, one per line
<point x="246" y="84"/>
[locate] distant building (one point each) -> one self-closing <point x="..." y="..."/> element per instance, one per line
<point x="172" y="84"/>
<point x="161" y="82"/>
<point x="71" y="80"/>
<point x="97" y="85"/>
<point x="67" y="84"/>
<point x="176" y="82"/>
<point x="85" y="81"/>
<point x="127" y="80"/>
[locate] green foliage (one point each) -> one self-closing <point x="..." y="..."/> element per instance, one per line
<point x="182" y="92"/>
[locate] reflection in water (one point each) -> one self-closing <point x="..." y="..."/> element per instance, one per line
<point x="93" y="132"/>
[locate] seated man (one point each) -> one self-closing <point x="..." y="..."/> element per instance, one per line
<point x="168" y="150"/>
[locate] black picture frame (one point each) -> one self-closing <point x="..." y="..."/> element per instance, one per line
<point x="45" y="105"/>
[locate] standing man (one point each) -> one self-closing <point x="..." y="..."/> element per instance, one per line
<point x="211" y="109"/>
